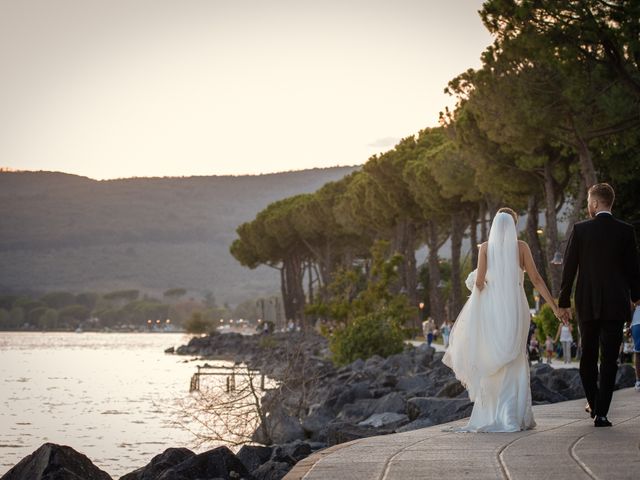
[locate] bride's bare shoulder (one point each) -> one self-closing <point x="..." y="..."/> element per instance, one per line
<point x="522" y="245"/>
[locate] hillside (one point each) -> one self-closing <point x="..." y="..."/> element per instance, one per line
<point x="65" y="232"/>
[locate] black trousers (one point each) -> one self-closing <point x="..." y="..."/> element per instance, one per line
<point x="601" y="339"/>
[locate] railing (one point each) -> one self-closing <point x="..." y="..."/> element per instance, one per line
<point x="224" y="371"/>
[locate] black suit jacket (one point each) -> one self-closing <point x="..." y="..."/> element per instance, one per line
<point x="603" y="253"/>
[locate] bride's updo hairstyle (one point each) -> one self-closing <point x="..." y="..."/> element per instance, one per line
<point x="510" y="212"/>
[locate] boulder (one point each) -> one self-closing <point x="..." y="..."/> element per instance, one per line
<point x="387" y="420"/>
<point x="271" y="470"/>
<point x="357" y="364"/>
<point x="55" y="462"/>
<point x="414" y="385"/>
<point x="570" y="381"/>
<point x="291" y="453"/>
<point x="357" y="411"/>
<point x="282" y="428"/>
<point x="451" y="389"/>
<point x="219" y="463"/>
<point x="387" y="380"/>
<point x="340" y="432"/>
<point x="318" y="418"/>
<point x="626" y="376"/>
<point x="158" y="464"/>
<point x="252" y="456"/>
<point x="391" y="402"/>
<point x="423" y="356"/>
<point x="348" y="394"/>
<point x="438" y="410"/>
<point x="373" y="362"/>
<point x="541" y="394"/>
<point x="399" y="364"/>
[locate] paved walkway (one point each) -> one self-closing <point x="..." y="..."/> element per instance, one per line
<point x="564" y="445"/>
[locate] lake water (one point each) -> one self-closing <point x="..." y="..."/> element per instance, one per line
<point x="111" y="396"/>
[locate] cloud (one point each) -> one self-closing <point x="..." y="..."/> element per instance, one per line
<point x="384" y="142"/>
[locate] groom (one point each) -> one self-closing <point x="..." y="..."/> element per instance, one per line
<point x="603" y="252"/>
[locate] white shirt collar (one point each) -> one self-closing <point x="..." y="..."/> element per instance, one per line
<point x="603" y="211"/>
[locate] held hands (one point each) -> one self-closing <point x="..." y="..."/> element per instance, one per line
<point x="564" y="315"/>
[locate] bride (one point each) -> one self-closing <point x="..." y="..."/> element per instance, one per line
<point x="488" y="341"/>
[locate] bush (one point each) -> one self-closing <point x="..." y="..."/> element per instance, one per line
<point x="370" y="317"/>
<point x="547" y="324"/>
<point x="365" y="336"/>
<point x="197" y="324"/>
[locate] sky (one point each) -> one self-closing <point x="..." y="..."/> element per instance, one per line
<point x="124" y="88"/>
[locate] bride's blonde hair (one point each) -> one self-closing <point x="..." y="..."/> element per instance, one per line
<point x="510" y="212"/>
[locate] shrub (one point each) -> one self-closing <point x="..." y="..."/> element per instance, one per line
<point x="370" y="317"/>
<point x="197" y="324"/>
<point x="547" y="324"/>
<point x="365" y="336"/>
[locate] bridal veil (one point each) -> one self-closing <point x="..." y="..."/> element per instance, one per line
<point x="490" y="331"/>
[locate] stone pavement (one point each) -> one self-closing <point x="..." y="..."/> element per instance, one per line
<point x="564" y="445"/>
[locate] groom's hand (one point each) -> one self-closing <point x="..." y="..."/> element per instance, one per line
<point x="565" y="315"/>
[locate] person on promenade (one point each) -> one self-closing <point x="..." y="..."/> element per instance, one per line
<point x="564" y="333"/>
<point x="602" y="251"/>
<point x="635" y="334"/>
<point x="445" y="330"/>
<point x="487" y="344"/>
<point x="534" y="351"/>
<point x="548" y="348"/>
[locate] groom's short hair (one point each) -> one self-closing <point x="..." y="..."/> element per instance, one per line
<point x="603" y="192"/>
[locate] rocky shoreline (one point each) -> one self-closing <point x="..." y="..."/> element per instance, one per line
<point x="322" y="406"/>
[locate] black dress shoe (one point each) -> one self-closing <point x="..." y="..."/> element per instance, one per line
<point x="590" y="411"/>
<point x="601" y="422"/>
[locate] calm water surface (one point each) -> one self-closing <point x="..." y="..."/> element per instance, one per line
<point x="111" y="396"/>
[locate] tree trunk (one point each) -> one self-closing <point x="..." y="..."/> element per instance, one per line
<point x="532" y="236"/>
<point x="435" y="291"/>
<point x="411" y="270"/>
<point x="579" y="208"/>
<point x="492" y="207"/>
<point x="457" y="232"/>
<point x="552" y="244"/>
<point x="286" y="301"/>
<point x="483" y="223"/>
<point x="587" y="170"/>
<point x="473" y="238"/>
<point x="294" y="304"/>
<point x="310" y="281"/>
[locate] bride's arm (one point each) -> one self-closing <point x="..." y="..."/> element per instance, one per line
<point x="536" y="278"/>
<point x="482" y="266"/>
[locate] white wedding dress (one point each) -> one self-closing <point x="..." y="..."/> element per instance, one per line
<point x="487" y="344"/>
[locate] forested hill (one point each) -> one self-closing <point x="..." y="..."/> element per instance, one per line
<point x="66" y="232"/>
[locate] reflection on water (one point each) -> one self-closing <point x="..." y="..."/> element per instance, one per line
<point x="111" y="396"/>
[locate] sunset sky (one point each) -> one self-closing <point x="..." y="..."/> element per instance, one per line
<point x="121" y="88"/>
